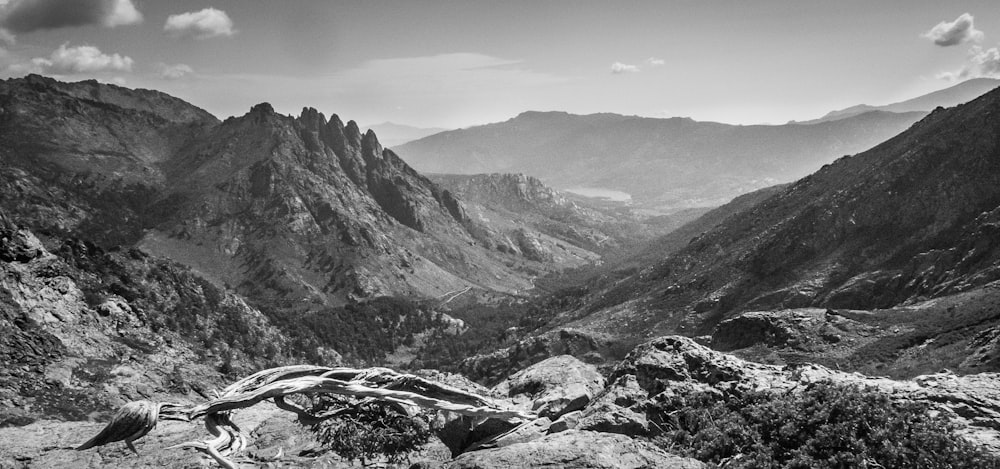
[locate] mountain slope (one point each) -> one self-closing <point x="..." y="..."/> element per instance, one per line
<point x="299" y="215"/>
<point x="514" y="203"/>
<point x="912" y="220"/>
<point x="662" y="163"/>
<point x="961" y="93"/>
<point x="87" y="157"/>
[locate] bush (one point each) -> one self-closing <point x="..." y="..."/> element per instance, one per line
<point x="825" y="426"/>
<point x="370" y="430"/>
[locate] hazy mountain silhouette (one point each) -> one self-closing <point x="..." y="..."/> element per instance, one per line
<point x="662" y="163"/>
<point x="952" y="96"/>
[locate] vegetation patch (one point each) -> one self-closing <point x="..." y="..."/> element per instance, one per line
<point x="824" y="426"/>
<point x="370" y="430"/>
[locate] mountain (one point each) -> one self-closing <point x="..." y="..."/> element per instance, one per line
<point x="335" y="241"/>
<point x="283" y="209"/>
<point x="961" y="93"/>
<point x="516" y="202"/>
<point x="901" y="238"/>
<point x="662" y="163"/>
<point x="393" y="135"/>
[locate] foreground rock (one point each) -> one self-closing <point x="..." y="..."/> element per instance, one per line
<point x="674" y="365"/>
<point x="553" y="387"/>
<point x="574" y="448"/>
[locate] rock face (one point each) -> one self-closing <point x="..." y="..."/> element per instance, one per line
<point x="84" y="330"/>
<point x="575" y="448"/>
<point x="553" y="387"/>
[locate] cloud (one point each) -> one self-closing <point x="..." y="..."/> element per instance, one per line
<point x="173" y="72"/>
<point x="75" y="60"/>
<point x="655" y="62"/>
<point x="204" y="24"/>
<point x="619" y="67"/>
<point x="954" y="33"/>
<point x="24" y="16"/>
<point x="982" y="63"/>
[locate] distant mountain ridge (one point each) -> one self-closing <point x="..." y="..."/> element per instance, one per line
<point x="670" y="163"/>
<point x="661" y="163"/>
<point x="948" y="97"/>
<point x="392" y="134"/>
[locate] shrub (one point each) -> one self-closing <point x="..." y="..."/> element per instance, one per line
<point x="370" y="430"/>
<point x="825" y="426"/>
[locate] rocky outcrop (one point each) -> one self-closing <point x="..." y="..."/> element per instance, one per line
<point x="797" y="329"/>
<point x="82" y="329"/>
<point x="553" y="387"/>
<point x="676" y="366"/>
<point x="494" y="367"/>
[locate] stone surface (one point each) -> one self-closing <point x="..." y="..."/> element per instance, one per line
<point x="578" y="449"/>
<point x="554" y="386"/>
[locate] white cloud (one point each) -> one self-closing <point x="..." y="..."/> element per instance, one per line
<point x="73" y="61"/>
<point x="655" y="62"/>
<point x="953" y="33"/>
<point x="173" y="72"/>
<point x="6" y="36"/>
<point x="982" y="63"/>
<point x="23" y="16"/>
<point x="204" y="24"/>
<point x="619" y="67"/>
<point x="122" y="13"/>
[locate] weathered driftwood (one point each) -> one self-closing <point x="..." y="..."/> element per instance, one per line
<point x="135" y="419"/>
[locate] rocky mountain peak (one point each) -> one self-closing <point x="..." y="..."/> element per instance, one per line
<point x="312" y="119"/>
<point x="261" y="113"/>
<point x="353" y="134"/>
<point x="371" y="149"/>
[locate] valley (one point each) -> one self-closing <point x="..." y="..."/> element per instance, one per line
<point x="153" y="252"/>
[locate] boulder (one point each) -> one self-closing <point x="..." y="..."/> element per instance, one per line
<point x="554" y="386"/>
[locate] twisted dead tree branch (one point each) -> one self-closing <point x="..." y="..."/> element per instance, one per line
<point x="136" y="419"/>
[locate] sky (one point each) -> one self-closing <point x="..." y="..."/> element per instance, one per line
<point x="455" y="64"/>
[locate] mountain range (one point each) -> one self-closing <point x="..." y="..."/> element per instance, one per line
<point x="668" y="163"/>
<point x="149" y="251"/>
<point x="289" y="209"/>
<point x="900" y="239"/>
<point x="960" y="93"/>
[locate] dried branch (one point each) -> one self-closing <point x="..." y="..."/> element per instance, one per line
<point x="135" y="419"/>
